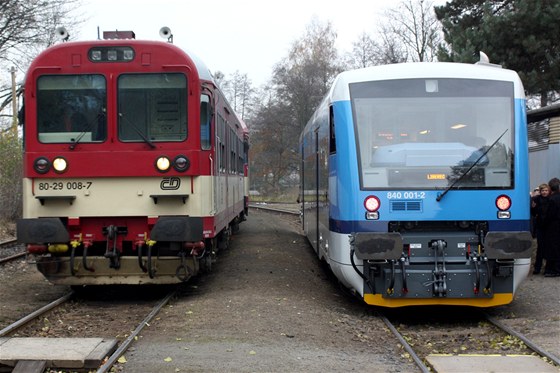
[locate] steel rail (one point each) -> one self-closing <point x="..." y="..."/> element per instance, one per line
<point x="11" y="257"/>
<point x="406" y="346"/>
<point x="18" y="324"/>
<point x="525" y="340"/>
<point x="127" y="342"/>
<point x="8" y="242"/>
<point x="274" y="209"/>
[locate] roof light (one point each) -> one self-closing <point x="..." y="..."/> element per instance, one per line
<point x="111" y="54"/>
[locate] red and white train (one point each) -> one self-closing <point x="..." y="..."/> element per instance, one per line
<point x="135" y="165"/>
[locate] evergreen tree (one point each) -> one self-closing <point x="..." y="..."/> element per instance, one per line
<point x="521" y="35"/>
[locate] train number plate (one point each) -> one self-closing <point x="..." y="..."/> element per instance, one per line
<point x="64" y="185"/>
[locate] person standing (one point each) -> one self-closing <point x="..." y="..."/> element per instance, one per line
<point x="552" y="231"/>
<point x="539" y="209"/>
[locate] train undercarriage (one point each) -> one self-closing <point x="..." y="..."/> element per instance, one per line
<point x="414" y="266"/>
<point x="175" y="251"/>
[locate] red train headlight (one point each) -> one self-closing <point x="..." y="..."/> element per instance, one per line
<point x="42" y="165"/>
<point x="503" y="202"/>
<point x="371" y="203"/>
<point x="181" y="163"/>
<point x="60" y="165"/>
<point x="163" y="163"/>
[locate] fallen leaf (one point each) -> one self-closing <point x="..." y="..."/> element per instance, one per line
<point x="122" y="359"/>
<point x="252" y="352"/>
<point x="168" y="359"/>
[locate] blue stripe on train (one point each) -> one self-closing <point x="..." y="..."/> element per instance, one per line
<point x="340" y="226"/>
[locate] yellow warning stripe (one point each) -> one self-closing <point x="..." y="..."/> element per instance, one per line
<point x="496" y="300"/>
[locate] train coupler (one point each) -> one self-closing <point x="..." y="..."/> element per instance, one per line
<point x="113" y="254"/>
<point x="183" y="273"/>
<point x="439" y="275"/>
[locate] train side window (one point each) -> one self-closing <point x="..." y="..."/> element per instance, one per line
<point x="205" y="119"/>
<point x="332" y="138"/>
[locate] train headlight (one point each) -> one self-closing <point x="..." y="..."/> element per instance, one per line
<point x="163" y="163"/>
<point x="181" y="163"/>
<point x="503" y="202"/>
<point x="372" y="204"/>
<point x="60" y="165"/>
<point x="42" y="165"/>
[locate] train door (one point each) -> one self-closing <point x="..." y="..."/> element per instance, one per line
<point x="323" y="189"/>
<point x="207" y="118"/>
<point x="317" y="193"/>
<point x="310" y="187"/>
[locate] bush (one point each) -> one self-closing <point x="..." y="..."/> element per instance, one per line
<point x="11" y="173"/>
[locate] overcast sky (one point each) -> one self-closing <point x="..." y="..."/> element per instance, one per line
<point x="228" y="35"/>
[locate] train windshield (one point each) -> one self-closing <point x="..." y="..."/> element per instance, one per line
<point x="71" y="108"/>
<point x="152" y="107"/>
<point x="427" y="133"/>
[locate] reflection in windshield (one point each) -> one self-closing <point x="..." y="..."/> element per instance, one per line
<point x="419" y="133"/>
<point x="152" y="107"/>
<point x="71" y="107"/>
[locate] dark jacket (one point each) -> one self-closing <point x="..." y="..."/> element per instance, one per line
<point x="552" y="229"/>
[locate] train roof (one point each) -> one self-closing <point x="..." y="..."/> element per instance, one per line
<point x="203" y="71"/>
<point x="434" y="70"/>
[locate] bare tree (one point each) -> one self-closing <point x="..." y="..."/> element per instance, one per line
<point x="27" y="26"/>
<point x="414" y="24"/>
<point x="303" y="78"/>
<point x="364" y="52"/>
<point x="298" y="84"/>
<point x="239" y="92"/>
<point x="368" y="52"/>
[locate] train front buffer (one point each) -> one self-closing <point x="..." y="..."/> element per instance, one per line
<point x="133" y="250"/>
<point x="453" y="263"/>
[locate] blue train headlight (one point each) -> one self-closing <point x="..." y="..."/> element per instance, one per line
<point x="503" y="203"/>
<point x="372" y="204"/>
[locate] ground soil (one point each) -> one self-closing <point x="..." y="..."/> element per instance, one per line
<point x="270" y="305"/>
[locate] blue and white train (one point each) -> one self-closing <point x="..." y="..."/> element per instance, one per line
<point x="414" y="184"/>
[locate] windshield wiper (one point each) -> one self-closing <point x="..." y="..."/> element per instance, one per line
<point x="138" y="131"/>
<point x="440" y="196"/>
<point x="89" y="127"/>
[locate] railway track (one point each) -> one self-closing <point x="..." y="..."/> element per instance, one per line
<point x="290" y="209"/>
<point x="33" y="325"/>
<point x="10" y="250"/>
<point x="34" y="315"/>
<point x="474" y="334"/>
